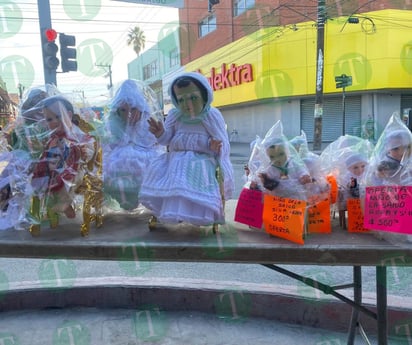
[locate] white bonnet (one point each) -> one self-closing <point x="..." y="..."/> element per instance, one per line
<point x="354" y="158"/>
<point x="397" y="138"/>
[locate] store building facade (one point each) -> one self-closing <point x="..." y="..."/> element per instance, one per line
<point x="269" y="74"/>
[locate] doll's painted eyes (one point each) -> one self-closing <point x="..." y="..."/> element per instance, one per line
<point x="192" y="98"/>
<point x="128" y="110"/>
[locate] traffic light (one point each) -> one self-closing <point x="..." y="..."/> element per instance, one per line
<point x="50" y="49"/>
<point x="68" y="52"/>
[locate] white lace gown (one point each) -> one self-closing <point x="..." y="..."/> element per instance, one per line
<point x="181" y="185"/>
<point x="125" y="161"/>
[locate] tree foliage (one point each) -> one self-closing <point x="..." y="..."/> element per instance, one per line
<point x="137" y="39"/>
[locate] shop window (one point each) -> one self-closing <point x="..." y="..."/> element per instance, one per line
<point x="240" y="6"/>
<point x="207" y="25"/>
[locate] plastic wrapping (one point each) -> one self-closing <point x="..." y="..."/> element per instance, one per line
<point x="347" y="159"/>
<point x="319" y="188"/>
<point x="15" y="190"/>
<point x="300" y="143"/>
<point x="60" y="169"/>
<point x="128" y="145"/>
<point x="390" y="163"/>
<point x="279" y="169"/>
<point x="27" y="131"/>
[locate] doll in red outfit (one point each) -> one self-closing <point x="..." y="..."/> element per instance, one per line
<point x="58" y="171"/>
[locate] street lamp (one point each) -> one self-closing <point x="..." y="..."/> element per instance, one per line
<point x="342" y="81"/>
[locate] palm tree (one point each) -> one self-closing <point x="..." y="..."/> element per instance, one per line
<point x="136" y="38"/>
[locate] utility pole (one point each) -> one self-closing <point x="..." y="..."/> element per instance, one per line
<point x="317" y="138"/>
<point x="21" y="90"/>
<point x="109" y="74"/>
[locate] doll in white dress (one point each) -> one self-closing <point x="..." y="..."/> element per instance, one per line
<point x="190" y="182"/>
<point x="129" y="146"/>
<point x="281" y="171"/>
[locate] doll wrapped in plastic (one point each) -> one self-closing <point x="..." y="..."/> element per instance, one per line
<point x="59" y="170"/>
<point x="22" y="143"/>
<point x="347" y="158"/>
<point x="190" y="182"/>
<point x="27" y="133"/>
<point x="281" y="171"/>
<point x="390" y="163"/>
<point x="15" y="190"/>
<point x="129" y="146"/>
<point x="319" y="188"/>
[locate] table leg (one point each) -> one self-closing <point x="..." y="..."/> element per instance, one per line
<point x="381" y="305"/>
<point x="357" y="298"/>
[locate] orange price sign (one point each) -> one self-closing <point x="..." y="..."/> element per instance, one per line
<point x="284" y="217"/>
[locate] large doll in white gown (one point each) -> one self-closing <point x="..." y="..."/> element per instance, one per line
<point x="182" y="184"/>
<point x="129" y="146"/>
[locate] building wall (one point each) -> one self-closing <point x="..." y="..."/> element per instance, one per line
<point x="160" y="52"/>
<point x="265" y="14"/>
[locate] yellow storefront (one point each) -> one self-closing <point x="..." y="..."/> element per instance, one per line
<point x="270" y="75"/>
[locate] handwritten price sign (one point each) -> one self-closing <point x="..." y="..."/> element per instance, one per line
<point x="284" y="217"/>
<point x="388" y="208"/>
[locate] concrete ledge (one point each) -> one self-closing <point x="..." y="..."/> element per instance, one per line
<point x="271" y="302"/>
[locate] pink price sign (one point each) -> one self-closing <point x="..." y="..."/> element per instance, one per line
<point x="388" y="208"/>
<point x="249" y="208"/>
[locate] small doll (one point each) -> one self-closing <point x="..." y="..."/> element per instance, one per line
<point x="58" y="172"/>
<point x="391" y="161"/>
<point x="356" y="164"/>
<point x="346" y="160"/>
<point x="15" y="190"/>
<point x="281" y="172"/>
<point x="351" y="169"/>
<point x="28" y="131"/>
<point x="24" y="140"/>
<point x="190" y="182"/>
<point x="129" y="146"/>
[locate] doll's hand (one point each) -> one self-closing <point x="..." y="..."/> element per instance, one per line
<point x="305" y="179"/>
<point x="156" y="127"/>
<point x="268" y="183"/>
<point x="215" y="145"/>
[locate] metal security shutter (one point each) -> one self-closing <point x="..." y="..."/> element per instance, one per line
<point x="406" y="102"/>
<point x="406" y="109"/>
<point x="332" y="122"/>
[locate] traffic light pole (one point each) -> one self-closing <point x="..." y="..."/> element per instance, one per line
<point x="43" y="7"/>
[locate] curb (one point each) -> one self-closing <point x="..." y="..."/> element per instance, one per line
<point x="267" y="301"/>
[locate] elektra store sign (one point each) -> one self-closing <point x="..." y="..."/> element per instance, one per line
<point x="229" y="76"/>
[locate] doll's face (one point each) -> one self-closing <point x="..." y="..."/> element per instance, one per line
<point x="189" y="99"/>
<point x="129" y="114"/>
<point x="399" y="152"/>
<point x="53" y="121"/>
<point x="277" y="155"/>
<point x="357" y="169"/>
